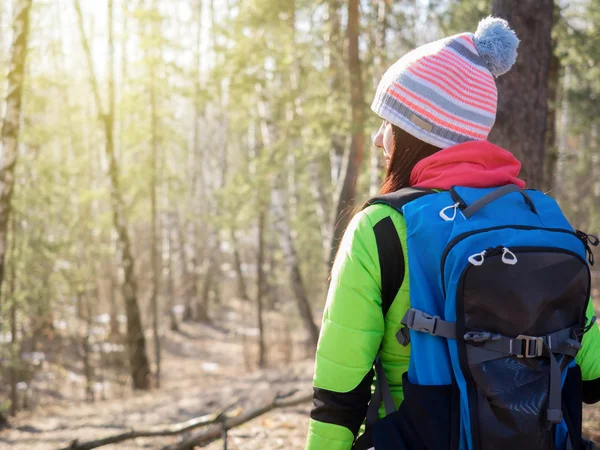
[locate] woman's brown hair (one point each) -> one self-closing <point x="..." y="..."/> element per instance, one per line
<point x="406" y="153"/>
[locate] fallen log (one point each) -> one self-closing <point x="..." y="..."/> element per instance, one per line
<point x="159" y="430"/>
<point x="212" y="433"/>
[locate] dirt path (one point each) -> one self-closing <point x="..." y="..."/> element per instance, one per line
<point x="203" y="369"/>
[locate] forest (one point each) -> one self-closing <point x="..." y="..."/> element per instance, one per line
<point x="175" y="178"/>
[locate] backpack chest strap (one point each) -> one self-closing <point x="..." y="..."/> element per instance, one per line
<point x="484" y="346"/>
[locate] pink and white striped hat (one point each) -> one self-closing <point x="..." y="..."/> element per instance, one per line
<point x="444" y="92"/>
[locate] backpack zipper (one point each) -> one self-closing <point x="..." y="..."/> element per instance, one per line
<point x="586" y="239"/>
<point x="508" y="257"/>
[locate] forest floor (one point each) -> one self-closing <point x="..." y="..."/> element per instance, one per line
<point x="204" y="369"/>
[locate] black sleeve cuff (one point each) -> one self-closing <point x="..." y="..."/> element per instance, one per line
<point x="347" y="409"/>
<point x="591" y="391"/>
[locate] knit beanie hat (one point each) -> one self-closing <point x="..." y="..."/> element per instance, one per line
<point x="444" y="93"/>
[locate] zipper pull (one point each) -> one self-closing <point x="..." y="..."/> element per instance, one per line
<point x="589" y="241"/>
<point x="509" y="257"/>
<point x="445" y="216"/>
<point x="478" y="258"/>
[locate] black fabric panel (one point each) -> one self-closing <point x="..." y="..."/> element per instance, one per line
<point x="591" y="391"/>
<point x="400" y="198"/>
<point x="391" y="261"/>
<point x="428" y="419"/>
<point x="572" y="411"/>
<point x="545" y="292"/>
<point x="347" y="409"/>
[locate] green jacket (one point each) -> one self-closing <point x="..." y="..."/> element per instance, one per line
<point x="354" y="329"/>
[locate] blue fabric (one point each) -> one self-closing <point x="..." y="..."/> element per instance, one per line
<point x="434" y="360"/>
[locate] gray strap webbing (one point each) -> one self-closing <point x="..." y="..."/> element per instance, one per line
<point x="554" y="413"/>
<point x="417" y="320"/>
<point x="495" y="195"/>
<point x="489" y="346"/>
<point x="382" y="393"/>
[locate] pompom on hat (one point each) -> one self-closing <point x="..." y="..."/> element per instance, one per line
<point x="444" y="92"/>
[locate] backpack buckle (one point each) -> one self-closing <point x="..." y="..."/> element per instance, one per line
<point x="531" y="346"/>
<point x="420" y="321"/>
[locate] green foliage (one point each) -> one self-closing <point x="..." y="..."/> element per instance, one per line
<point x="460" y="16"/>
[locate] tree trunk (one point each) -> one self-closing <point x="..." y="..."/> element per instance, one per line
<point x="156" y="269"/>
<point x="173" y="228"/>
<point x="291" y="259"/>
<point x="260" y="285"/>
<point x="114" y="310"/>
<point x="380" y="52"/>
<point x="136" y="342"/>
<point x="88" y="369"/>
<point x="242" y="290"/>
<point x="345" y="202"/>
<point x="190" y="290"/>
<point x="197" y="177"/>
<point x="523" y="92"/>
<point x="14" y="357"/>
<point x="210" y="279"/>
<point x="316" y="188"/>
<point x="563" y="137"/>
<point x="9" y="135"/>
<point x="551" y="161"/>
<point x="14" y="353"/>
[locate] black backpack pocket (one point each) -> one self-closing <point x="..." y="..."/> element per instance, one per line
<point x="524" y="304"/>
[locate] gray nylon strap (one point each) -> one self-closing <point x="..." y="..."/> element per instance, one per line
<point x="382" y="393"/>
<point x="554" y="412"/>
<point x="495" y="195"/>
<point x="417" y="320"/>
<point x="488" y="346"/>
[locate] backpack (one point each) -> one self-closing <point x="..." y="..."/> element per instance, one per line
<point x="497" y="313"/>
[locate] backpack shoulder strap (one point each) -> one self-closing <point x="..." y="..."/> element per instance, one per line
<point x="389" y="248"/>
<point x="398" y="199"/>
<point x="391" y="263"/>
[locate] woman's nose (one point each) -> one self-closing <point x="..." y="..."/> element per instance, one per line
<point x="378" y="140"/>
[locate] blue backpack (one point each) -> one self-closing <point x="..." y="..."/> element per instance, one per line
<point x="499" y="287"/>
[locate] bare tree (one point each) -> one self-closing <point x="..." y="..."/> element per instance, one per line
<point x="14" y="352"/>
<point x="260" y="282"/>
<point x="346" y="199"/>
<point x="379" y="53"/>
<point x="282" y="225"/>
<point x="523" y="101"/>
<point x="197" y="176"/>
<point x="136" y="342"/>
<point x="237" y="259"/>
<point x="156" y="269"/>
<point x="9" y="135"/>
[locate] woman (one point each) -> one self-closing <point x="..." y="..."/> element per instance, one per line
<point x="438" y="104"/>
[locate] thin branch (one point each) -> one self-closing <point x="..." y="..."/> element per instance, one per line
<point x="159" y="430"/>
<point x="213" y="433"/>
